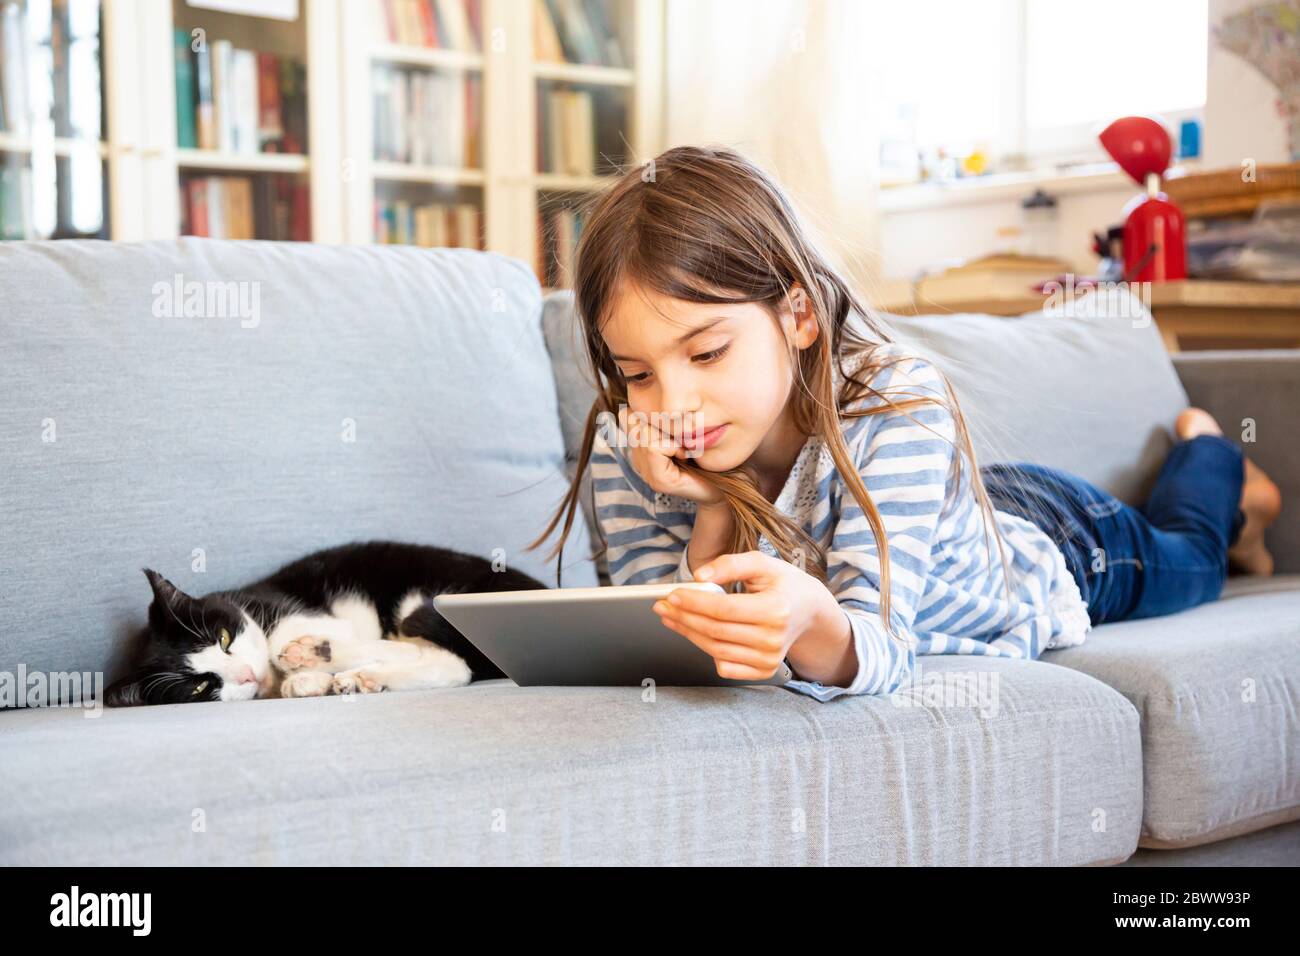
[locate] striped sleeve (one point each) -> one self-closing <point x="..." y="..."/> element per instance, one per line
<point x="904" y="460"/>
<point x="646" y="544"/>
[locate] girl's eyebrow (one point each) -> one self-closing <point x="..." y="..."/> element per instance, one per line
<point x="680" y="339"/>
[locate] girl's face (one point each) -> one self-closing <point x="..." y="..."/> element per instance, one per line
<point x="701" y="366"/>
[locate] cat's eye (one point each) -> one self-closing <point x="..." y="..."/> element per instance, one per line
<point x="203" y="685"/>
<point x="225" y="639"/>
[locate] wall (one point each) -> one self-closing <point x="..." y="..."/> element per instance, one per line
<point x="1241" y="115"/>
<point x="786" y="88"/>
<point x="914" y="240"/>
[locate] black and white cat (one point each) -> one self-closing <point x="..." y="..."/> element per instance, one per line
<point x="356" y="619"/>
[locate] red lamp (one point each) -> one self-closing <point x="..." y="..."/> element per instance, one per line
<point x="1155" y="230"/>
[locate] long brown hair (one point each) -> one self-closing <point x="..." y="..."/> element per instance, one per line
<point x="707" y="225"/>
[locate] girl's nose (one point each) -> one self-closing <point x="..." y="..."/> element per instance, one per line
<point x="680" y="401"/>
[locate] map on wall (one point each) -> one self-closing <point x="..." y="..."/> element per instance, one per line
<point x="1268" y="38"/>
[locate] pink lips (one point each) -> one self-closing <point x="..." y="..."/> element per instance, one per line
<point x="705" y="439"/>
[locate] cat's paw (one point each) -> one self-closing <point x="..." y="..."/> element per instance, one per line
<point x="304" y="653"/>
<point x="359" y="681"/>
<point x="306" y="684"/>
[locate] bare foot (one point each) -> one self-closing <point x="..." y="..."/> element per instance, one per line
<point x="1196" y="421"/>
<point x="1261" y="501"/>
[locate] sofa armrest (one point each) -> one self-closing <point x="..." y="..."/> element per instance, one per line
<point x="1262" y="387"/>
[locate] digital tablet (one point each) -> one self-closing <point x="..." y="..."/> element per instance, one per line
<point x="607" y="636"/>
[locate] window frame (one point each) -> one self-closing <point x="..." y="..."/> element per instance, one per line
<point x="1018" y="147"/>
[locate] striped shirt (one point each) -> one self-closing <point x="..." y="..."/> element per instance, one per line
<point x="947" y="588"/>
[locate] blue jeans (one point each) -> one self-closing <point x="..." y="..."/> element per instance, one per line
<point x="1129" y="563"/>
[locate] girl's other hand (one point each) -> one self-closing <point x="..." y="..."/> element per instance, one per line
<point x="659" y="460"/>
<point x="748" y="635"/>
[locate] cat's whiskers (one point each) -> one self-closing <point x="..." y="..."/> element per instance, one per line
<point x="172" y="611"/>
<point x="166" y="678"/>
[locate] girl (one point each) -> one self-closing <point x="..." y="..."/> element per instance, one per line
<point x="743" y="431"/>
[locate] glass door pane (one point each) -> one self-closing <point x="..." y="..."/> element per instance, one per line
<point x="53" y="182"/>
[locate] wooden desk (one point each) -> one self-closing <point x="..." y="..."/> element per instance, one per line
<point x="1190" y="314"/>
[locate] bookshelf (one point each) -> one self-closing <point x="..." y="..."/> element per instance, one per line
<point x="243" y="150"/>
<point x="599" y="109"/>
<point x="419" y="121"/>
<point x="415" y="149"/>
<point x="521" y="189"/>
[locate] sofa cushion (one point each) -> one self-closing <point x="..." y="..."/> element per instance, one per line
<point x="355" y="392"/>
<point x="1217" y="688"/>
<point x="1044" y="769"/>
<point x="1095" y="396"/>
<point x="575" y="390"/>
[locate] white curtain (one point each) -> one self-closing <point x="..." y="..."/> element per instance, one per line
<point x="787" y="82"/>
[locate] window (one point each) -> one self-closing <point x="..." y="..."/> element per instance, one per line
<point x="1029" y="82"/>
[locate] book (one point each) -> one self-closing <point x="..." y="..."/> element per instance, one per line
<point x="205" y="118"/>
<point x="444" y="24"/>
<point x="222" y="94"/>
<point x="258" y="206"/>
<point x="428" y="24"/>
<point x="1010" y="262"/>
<point x="300" y="211"/>
<point x="610" y="45"/>
<point x="455" y="25"/>
<point x="198" y="196"/>
<point x="270" y="126"/>
<point x="426" y="117"/>
<point x="293" y="91"/>
<point x="580" y="134"/>
<point x="566" y="130"/>
<point x="559" y="230"/>
<point x="239" y="208"/>
<point x="240" y="101"/>
<point x="582" y="30"/>
<point x="216" y="191"/>
<point x="577" y="29"/>
<point x="546" y="40"/>
<point x="474" y="13"/>
<point x="186" y="126"/>
<point x="989" y="277"/>
<point x="400" y="221"/>
<point x="246" y="111"/>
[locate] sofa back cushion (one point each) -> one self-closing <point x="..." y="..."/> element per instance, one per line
<point x="1095" y="394"/>
<point x="290" y="397"/>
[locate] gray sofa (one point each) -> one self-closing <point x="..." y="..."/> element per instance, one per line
<point x="156" y="415"/>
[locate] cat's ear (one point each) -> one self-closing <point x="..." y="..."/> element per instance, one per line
<point x="164" y="590"/>
<point x="166" y="596"/>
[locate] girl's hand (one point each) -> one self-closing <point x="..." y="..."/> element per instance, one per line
<point x="655" y="457"/>
<point x="749" y="635"/>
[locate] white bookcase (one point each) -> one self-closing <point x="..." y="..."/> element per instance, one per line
<point x="342" y="43"/>
<point x="508" y="185"/>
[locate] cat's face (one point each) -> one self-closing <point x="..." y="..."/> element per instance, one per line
<point x="194" y="649"/>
